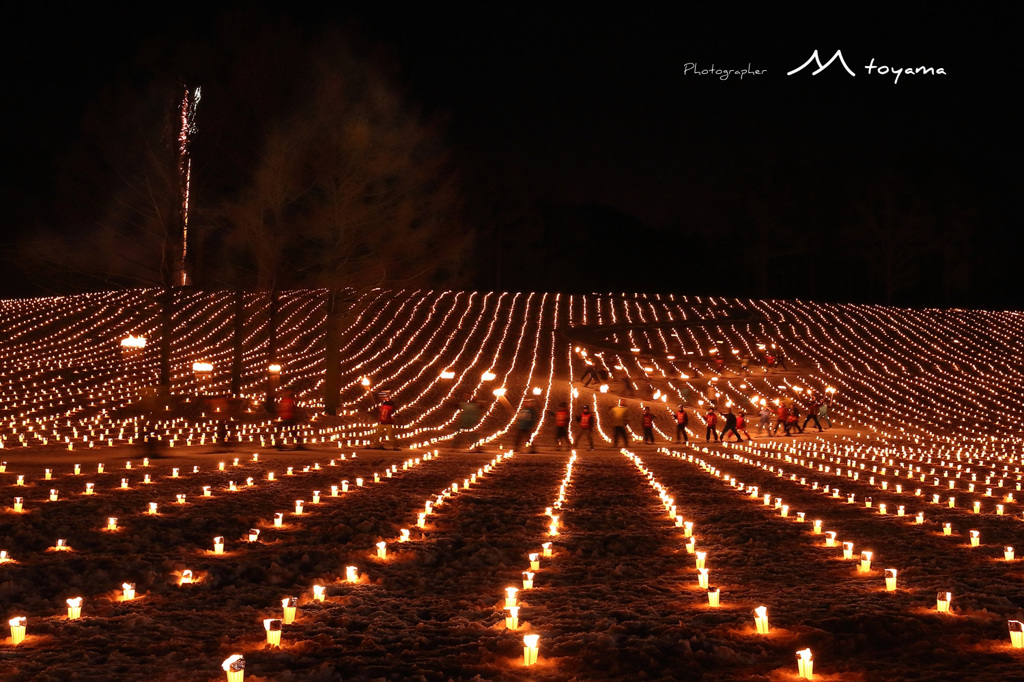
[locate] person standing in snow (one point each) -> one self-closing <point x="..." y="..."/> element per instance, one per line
<point x="620" y="417"/>
<point x="647" y="422"/>
<point x="681" y="419"/>
<point x="586" y="421"/>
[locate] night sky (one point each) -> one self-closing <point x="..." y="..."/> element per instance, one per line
<point x="586" y="148"/>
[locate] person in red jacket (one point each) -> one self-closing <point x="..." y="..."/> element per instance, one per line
<point x="711" y="419"/>
<point x="681" y="419"/>
<point x="562" y="419"/>
<point x="586" y="421"/>
<point x="385" y="424"/>
<point x="647" y="422"/>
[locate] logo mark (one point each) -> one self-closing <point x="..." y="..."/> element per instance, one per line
<point x="821" y="67"/>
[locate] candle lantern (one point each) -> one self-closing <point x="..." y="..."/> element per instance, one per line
<point x="47" y="475"/>
<point x="688" y="529"/>
<point x="421" y="520"/>
<point x="830" y="538"/>
<point x="713" y="596"/>
<point x="89" y="488"/>
<point x="351" y="574"/>
<point x="181" y="498"/>
<point x="174" y="472"/>
<point x="947" y="529"/>
<point x="319" y="592"/>
<point x="512" y="619"/>
<point x="919" y="519"/>
<point x="218" y="545"/>
<point x="1008" y="553"/>
<point x="74" y="608"/>
<point x="530" y="649"/>
<point x="334" y="491"/>
<point x="817" y="526"/>
<point x="288" y="605"/>
<point x="344" y="486"/>
<point x="124" y="484"/>
<point x="527" y="580"/>
<point x="207" y="492"/>
<point x="761" y="620"/>
<point x="805" y="664"/>
<point x="146" y="479"/>
<point x="186" y="578"/>
<point x="535" y="562"/>
<point x="254" y="534"/>
<point x="975" y="538"/>
<point x="901" y="510"/>
<point x="278" y="519"/>
<point x="112" y="523"/>
<point x="78" y="469"/>
<point x="702" y="577"/>
<point x="53" y="494"/>
<point x="273" y="628"/>
<point x="18" y="629"/>
<point x="1016" y="634"/>
<point x="316" y="497"/>
<point x="234" y="666"/>
<point x="546" y="549"/>
<point x="220" y="466"/>
<point x="847" y="550"/>
<point x="890" y="579"/>
<point x="952" y="502"/>
<point x="298" y="506"/>
<point x="942" y="601"/>
<point x="865" y="562"/>
<point x="999" y="510"/>
<point x="785" y="510"/>
<point x="510" y="596"/>
<point x="691" y="545"/>
<point x="19" y="504"/>
<point x="382" y="549"/>
<point x="977" y="506"/>
<point x="882" y="508"/>
<point x="404" y="537"/>
<point x="701" y="556"/>
<point x="127" y="591"/>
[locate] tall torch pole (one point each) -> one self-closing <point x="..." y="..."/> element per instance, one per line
<point x="189" y="103"/>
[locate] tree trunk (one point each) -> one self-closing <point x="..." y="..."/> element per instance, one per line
<point x="269" y="399"/>
<point x="166" y="298"/>
<point x="236" y="339"/>
<point x="332" y="354"/>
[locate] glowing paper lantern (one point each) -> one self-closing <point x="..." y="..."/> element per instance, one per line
<point x="761" y="620"/>
<point x="319" y="592"/>
<point x="512" y="619"/>
<point x="942" y="601"/>
<point x="805" y="664"/>
<point x="278" y="519"/>
<point x="234" y="666"/>
<point x="1008" y="553"/>
<point x="527" y="580"/>
<point x="975" y="538"/>
<point x="127" y="591"/>
<point x="546" y="547"/>
<point x="404" y="537"/>
<point x="186" y="578"/>
<point x="510" y="596"/>
<point x="112" y="523"/>
<point x="890" y="579"/>
<point x="74" y="608"/>
<point x="865" y="562"/>
<point x="1016" y="634"/>
<point x="530" y="649"/>
<point x="382" y="549"/>
<point x="254" y="534"/>
<point x="351" y="574"/>
<point x="218" y="545"/>
<point x="18" y="626"/>
<point x="273" y="628"/>
<point x="288" y="605"/>
<point x="713" y="596"/>
<point x="535" y="562"/>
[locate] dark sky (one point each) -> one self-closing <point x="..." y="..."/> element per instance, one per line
<point x="577" y="104"/>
